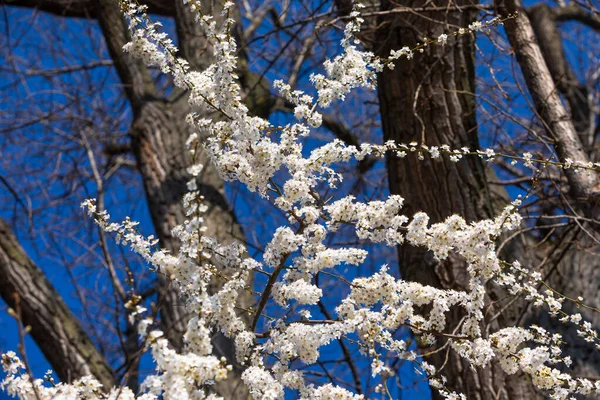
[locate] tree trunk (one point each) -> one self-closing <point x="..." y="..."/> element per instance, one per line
<point x="430" y="100"/>
<point x="544" y="23"/>
<point x="583" y="187"/>
<point x="159" y="133"/>
<point x="573" y="255"/>
<point x="55" y="329"/>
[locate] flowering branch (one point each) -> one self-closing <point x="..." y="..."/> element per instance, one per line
<point x="252" y="151"/>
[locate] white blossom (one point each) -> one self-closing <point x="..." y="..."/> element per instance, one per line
<point x="243" y="149"/>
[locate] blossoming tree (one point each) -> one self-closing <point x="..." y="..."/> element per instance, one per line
<point x="464" y="298"/>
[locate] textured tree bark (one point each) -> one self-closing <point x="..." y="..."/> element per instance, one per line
<point x="573" y="258"/>
<point x="159" y="133"/>
<point x="584" y="187"/>
<point x="429" y="100"/>
<point x="55" y="329"/>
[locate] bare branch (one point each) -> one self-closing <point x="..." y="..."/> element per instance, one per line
<point x="575" y="13"/>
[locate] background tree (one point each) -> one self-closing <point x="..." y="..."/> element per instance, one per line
<point x="438" y="106"/>
<point x="431" y="99"/>
<point x="435" y="105"/>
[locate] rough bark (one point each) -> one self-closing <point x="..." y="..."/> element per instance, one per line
<point x="428" y="100"/>
<point x="573" y="268"/>
<point x="552" y="113"/>
<point x="55" y="329"/>
<point x="544" y="23"/>
<point x="86" y="8"/>
<point x="158" y="134"/>
<point x="572" y="255"/>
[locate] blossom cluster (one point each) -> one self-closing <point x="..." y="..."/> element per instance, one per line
<point x="252" y="151"/>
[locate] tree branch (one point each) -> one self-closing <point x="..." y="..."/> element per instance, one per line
<point x="543" y="20"/>
<point x="86" y="8"/>
<point x="552" y="112"/>
<point x="135" y="76"/>
<point x="55" y="329"/>
<point x="576" y="13"/>
<point x="341" y="131"/>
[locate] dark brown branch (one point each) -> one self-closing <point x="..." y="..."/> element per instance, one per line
<point x="575" y="13"/>
<point x="86" y="8"/>
<point x="135" y="76"/>
<point x="544" y="22"/>
<point x="548" y="103"/>
<point x="55" y="329"/>
<point x="115" y="149"/>
<point x="48" y="73"/>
